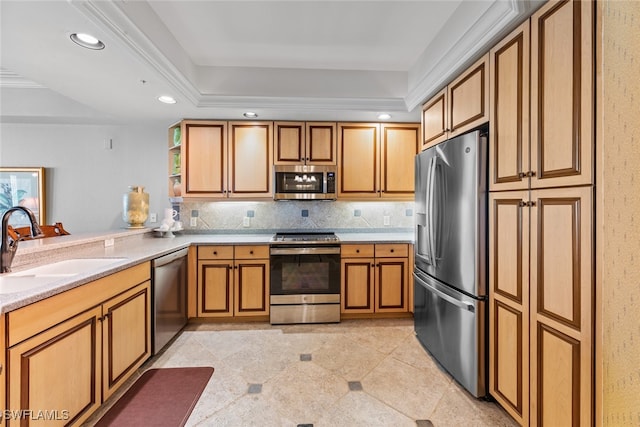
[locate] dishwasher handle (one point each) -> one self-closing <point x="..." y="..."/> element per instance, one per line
<point x="169" y="258"/>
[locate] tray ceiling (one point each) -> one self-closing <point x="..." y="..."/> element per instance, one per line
<point x="297" y="60"/>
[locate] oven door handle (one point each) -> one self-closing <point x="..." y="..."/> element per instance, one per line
<point x="305" y="251"/>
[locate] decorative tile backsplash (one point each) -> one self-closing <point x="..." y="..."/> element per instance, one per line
<point x="270" y="215"/>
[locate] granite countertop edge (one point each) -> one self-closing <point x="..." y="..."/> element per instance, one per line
<point x="132" y="247"/>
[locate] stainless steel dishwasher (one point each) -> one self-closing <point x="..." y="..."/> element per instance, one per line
<point x="169" y="298"/>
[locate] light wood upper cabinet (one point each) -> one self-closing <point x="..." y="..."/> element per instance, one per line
<point x="562" y="98"/>
<point x="435" y="120"/>
<point x="399" y="146"/>
<point x="321" y="148"/>
<point x="509" y="111"/>
<point x="358" y="160"/>
<point x="221" y="160"/>
<point x="377" y="160"/>
<point x="250" y="160"/>
<point x="204" y="159"/>
<point x="310" y="143"/>
<point x="459" y="107"/>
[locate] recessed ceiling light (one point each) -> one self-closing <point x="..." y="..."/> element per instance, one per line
<point x="250" y="115"/>
<point x="167" y="99"/>
<point x="384" y="116"/>
<point x="87" y="40"/>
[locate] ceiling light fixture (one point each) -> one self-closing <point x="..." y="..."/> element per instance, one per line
<point x="167" y="99"/>
<point x="86" y="40"/>
<point x="384" y="116"/>
<point x="250" y="115"/>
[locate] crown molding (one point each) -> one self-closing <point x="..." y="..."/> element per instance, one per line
<point x="307" y="103"/>
<point x="13" y="80"/>
<point x="438" y="64"/>
<point x="471" y="44"/>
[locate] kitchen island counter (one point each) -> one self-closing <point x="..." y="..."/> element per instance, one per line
<point x="128" y="248"/>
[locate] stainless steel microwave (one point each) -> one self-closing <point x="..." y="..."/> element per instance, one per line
<point x="302" y="182"/>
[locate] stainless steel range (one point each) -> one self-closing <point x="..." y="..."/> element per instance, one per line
<point x="305" y="278"/>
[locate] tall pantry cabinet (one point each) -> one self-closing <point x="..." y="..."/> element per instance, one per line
<point x="541" y="217"/>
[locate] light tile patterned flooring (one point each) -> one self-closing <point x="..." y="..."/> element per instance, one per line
<point x="354" y="373"/>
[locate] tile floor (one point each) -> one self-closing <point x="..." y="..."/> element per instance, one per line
<point x="355" y="373"/>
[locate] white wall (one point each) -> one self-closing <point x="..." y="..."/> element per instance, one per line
<point x="84" y="181"/>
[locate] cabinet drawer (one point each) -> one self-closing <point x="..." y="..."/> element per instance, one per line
<point x="252" y="251"/>
<point x="355" y="251"/>
<point x="215" y="252"/>
<point x="392" y="250"/>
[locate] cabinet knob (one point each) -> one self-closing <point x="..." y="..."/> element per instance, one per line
<point x="357" y="251"/>
<point x="521" y="174"/>
<point x="392" y="250"/>
<point x="250" y="252"/>
<point x="372" y="265"/>
<point x="531" y="174"/>
<point x="215" y="252"/>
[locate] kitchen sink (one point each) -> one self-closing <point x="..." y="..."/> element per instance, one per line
<point x="49" y="273"/>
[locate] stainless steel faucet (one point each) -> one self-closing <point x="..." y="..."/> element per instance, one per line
<point x="9" y="246"/>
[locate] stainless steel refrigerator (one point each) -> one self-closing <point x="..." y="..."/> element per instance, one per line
<point x="450" y="269"/>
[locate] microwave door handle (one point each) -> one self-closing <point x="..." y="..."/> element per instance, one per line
<point x="430" y="209"/>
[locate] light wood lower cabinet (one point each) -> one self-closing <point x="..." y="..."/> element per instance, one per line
<point x="126" y="336"/>
<point x="233" y="281"/>
<point x="64" y="366"/>
<point x="375" y="278"/>
<point x="541" y="305"/>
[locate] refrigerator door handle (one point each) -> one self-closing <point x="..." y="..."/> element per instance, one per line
<point x="452" y="300"/>
<point x="430" y="204"/>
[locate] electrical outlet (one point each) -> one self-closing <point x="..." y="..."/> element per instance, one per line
<point x="108" y="243"/>
<point x="194" y="221"/>
<point x="386" y="220"/>
<point x="246" y="221"/>
<point x="153" y="217"/>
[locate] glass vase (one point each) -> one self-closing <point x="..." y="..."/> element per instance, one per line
<point x="135" y="207"/>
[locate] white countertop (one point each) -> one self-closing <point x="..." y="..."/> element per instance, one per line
<point x="133" y="247"/>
